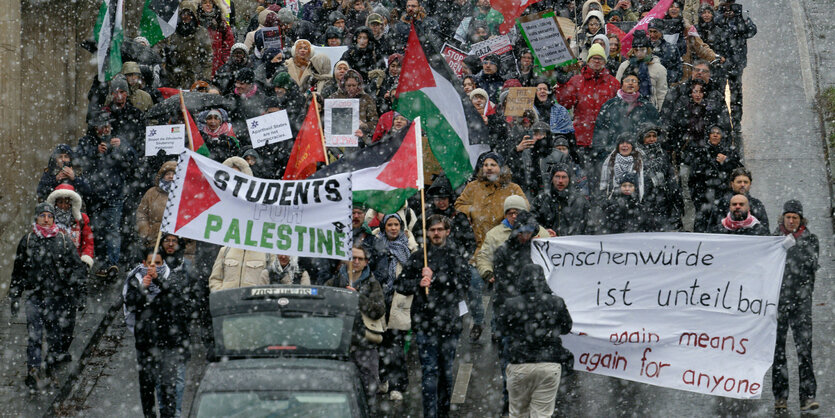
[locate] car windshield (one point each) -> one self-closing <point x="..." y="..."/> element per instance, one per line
<point x="260" y="332"/>
<point x="274" y="404"/>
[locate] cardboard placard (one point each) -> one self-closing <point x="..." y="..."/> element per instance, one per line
<point x="496" y="45"/>
<point x="454" y="58"/>
<point x="169" y="138"/>
<point x="342" y="119"/>
<point x="519" y="99"/>
<point x="269" y="129"/>
<point x="546" y="41"/>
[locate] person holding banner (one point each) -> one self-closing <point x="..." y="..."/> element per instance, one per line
<point x="795" y="308"/>
<point x="436" y="315"/>
<point x="533" y="322"/>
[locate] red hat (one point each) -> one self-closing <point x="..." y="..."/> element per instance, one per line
<point x="511" y="83"/>
<point x="67" y="190"/>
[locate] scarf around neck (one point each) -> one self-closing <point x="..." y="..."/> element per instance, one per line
<point x="732" y="225"/>
<point x="623" y="165"/>
<point x="63" y="218"/>
<point x="630" y="98"/>
<point x="399" y="249"/>
<point x="166" y="185"/>
<point x="45" y="232"/>
<point x="795" y="234"/>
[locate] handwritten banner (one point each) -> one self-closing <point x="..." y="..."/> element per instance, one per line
<point x="546" y="41"/>
<point x="695" y="312"/>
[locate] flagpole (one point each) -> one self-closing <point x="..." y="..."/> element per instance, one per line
<point x="420" y="186"/>
<point x="321" y="133"/>
<point x="191" y="146"/>
<point x="185" y="120"/>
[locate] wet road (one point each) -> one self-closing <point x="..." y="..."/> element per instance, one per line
<point x="783" y="149"/>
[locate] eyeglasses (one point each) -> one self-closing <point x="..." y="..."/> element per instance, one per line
<point x="701" y="71"/>
<point x="171" y="240"/>
<point x="512" y="212"/>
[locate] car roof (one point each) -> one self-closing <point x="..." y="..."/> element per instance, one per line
<point x="280" y="374"/>
<point x="286" y="301"/>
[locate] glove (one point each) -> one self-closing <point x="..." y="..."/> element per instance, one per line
<point x="15" y="307"/>
<point x="789" y="241"/>
<point x="487" y="276"/>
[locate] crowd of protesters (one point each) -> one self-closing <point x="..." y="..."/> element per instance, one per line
<point x="621" y="142"/>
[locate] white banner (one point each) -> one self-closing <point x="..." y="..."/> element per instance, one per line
<point x="215" y="203"/>
<point x="269" y="129"/>
<point x="334" y="53"/>
<point x="496" y="45"/>
<point x="169" y="138"/>
<point x="695" y="312"/>
<point x="342" y="119"/>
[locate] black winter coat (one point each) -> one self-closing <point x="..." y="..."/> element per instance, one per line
<point x="615" y="119"/>
<point x="534" y="321"/>
<point x="625" y="214"/>
<point x="563" y="211"/>
<point x="733" y="35"/>
<point x="662" y="193"/>
<point x="161" y="320"/>
<point x="670" y="59"/>
<point x="757" y="209"/>
<point x="801" y="265"/>
<point x="436" y="313"/>
<point x="48" y="267"/>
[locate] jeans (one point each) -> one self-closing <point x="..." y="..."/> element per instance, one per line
<point x="160" y="372"/>
<point x="437" y="354"/>
<point x="106" y="222"/>
<point x="55" y="318"/>
<point x="797" y="314"/>
<point x="476" y="306"/>
<point x="179" y="386"/>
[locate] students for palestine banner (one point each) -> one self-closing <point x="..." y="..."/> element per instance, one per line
<point x="215" y="203"/>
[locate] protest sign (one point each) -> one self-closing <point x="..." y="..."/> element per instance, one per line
<point x="168" y="138"/>
<point x="546" y="41"/>
<point x="454" y="58"/>
<point x="213" y="203"/>
<point x="334" y="53"/>
<point x="695" y="312"/>
<point x="519" y="99"/>
<point x="269" y="129"/>
<point x="342" y="119"/>
<point x="496" y="45"/>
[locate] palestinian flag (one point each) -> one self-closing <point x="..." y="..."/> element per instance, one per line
<point x="511" y="10"/>
<point x="109" y="37"/>
<point x="159" y="19"/>
<point x="195" y="138"/>
<point x="386" y="173"/>
<point x="430" y="90"/>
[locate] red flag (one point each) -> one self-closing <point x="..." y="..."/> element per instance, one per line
<point x="510" y="9"/>
<point x="193" y="133"/>
<point x="308" y="148"/>
<point x="657" y="12"/>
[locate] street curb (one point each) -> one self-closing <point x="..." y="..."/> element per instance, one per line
<point x="80" y="354"/>
<point x="828" y="152"/>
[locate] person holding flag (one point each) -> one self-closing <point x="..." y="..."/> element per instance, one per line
<point x="439" y="282"/>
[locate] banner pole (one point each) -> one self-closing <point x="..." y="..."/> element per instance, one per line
<point x="425" y="242"/>
<point x="188" y="128"/>
<point x="321" y="133"/>
<point x="156" y="246"/>
<point x="420" y="185"/>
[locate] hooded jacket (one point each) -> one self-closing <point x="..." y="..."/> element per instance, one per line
<point x="564" y="211"/>
<point x="615" y="118"/>
<point x="585" y="94"/>
<point x="48" y="182"/>
<point x="188" y="56"/>
<point x="151" y="208"/>
<point x="80" y="231"/>
<point x="534" y="320"/>
<point x="363" y="60"/>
